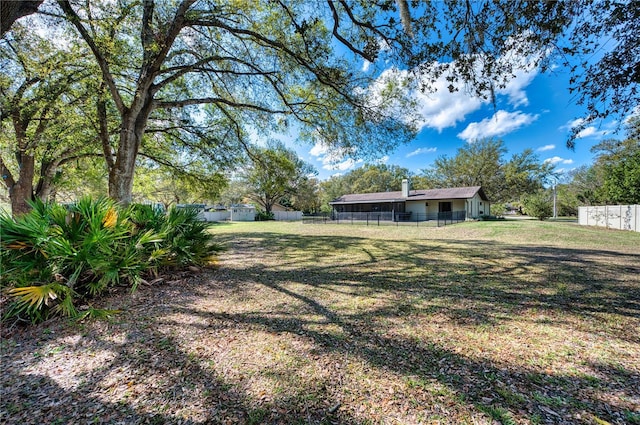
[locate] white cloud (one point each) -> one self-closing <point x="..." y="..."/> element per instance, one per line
<point x="546" y="148"/>
<point x="318" y="149"/>
<point x="515" y="87"/>
<point x="421" y="151"/>
<point x="589" y="131"/>
<point x="342" y="166"/>
<point x="334" y="160"/>
<point x="557" y="160"/>
<point x="382" y="160"/>
<point x="440" y="108"/>
<point x="366" y="65"/>
<point x="501" y="123"/>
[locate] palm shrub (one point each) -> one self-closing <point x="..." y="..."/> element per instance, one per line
<point x="187" y="239"/>
<point x="54" y="256"/>
<point x="26" y="268"/>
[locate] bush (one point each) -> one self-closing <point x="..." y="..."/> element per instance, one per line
<point x="490" y="218"/>
<point x="264" y="216"/>
<point x="52" y="257"/>
<point x="538" y="205"/>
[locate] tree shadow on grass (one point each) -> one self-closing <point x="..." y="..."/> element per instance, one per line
<point x="144" y="374"/>
<point x="525" y="393"/>
<point x="582" y="281"/>
<point x="481" y="283"/>
<point x="131" y="371"/>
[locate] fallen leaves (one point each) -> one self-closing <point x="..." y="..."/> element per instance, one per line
<point x="299" y="329"/>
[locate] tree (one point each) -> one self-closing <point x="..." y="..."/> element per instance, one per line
<point x="234" y="193"/>
<point x="586" y="183"/>
<point x="608" y="29"/>
<point x="524" y="173"/>
<point x="622" y="182"/>
<point x="538" y="205"/>
<point x="619" y="162"/>
<point x="169" y="185"/>
<point x="567" y="202"/>
<point x="373" y="178"/>
<point x="44" y="116"/>
<point x="479" y="46"/>
<point x="86" y="177"/>
<point x="332" y="188"/>
<point x="249" y="62"/>
<point x="307" y="197"/>
<point x="369" y="178"/>
<point x="481" y="163"/>
<point x="475" y="164"/>
<point x="275" y="173"/>
<point x="11" y="10"/>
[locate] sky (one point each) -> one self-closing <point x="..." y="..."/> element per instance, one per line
<point x="534" y="111"/>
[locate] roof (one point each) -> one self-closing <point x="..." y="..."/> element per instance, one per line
<point x="414" y="195"/>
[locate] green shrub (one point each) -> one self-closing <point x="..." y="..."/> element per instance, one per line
<point x="538" y="205"/>
<point x="490" y="218"/>
<point x="187" y="239"/>
<point x="264" y="216"/>
<point x="52" y="256"/>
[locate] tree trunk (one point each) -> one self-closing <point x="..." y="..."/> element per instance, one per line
<point x="44" y="188"/>
<point x="22" y="191"/>
<point x="122" y="173"/>
<point x="11" y="10"/>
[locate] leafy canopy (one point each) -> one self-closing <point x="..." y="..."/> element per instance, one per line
<point x="482" y="163"/>
<point x="275" y="173"/>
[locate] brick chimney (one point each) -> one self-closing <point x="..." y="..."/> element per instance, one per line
<point x="406" y="187"/>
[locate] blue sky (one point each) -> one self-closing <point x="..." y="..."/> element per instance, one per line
<point x="535" y="111"/>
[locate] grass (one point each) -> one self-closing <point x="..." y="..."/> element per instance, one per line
<point x="488" y="322"/>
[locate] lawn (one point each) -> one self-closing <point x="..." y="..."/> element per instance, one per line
<point x="506" y="322"/>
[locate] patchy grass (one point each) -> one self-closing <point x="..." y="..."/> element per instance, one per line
<point x="522" y="322"/>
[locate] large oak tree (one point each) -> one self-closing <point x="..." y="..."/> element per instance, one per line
<point x="253" y="64"/>
<point x="260" y="64"/>
<point x="45" y="119"/>
<point x="275" y="173"/>
<point x="482" y="163"/>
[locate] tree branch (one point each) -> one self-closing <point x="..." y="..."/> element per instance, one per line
<point x="6" y="175"/>
<point x="101" y="107"/>
<point x="102" y="61"/>
<point x="216" y="100"/>
<point x="274" y="44"/>
<point x="146" y="32"/>
<point x="176" y="26"/>
<point x="336" y="34"/>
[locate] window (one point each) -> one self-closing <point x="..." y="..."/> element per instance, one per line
<point x="444" y="207"/>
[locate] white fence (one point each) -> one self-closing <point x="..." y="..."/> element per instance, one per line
<point x="216" y="215"/>
<point x="623" y="217"/>
<point x="246" y="215"/>
<point x="287" y="215"/>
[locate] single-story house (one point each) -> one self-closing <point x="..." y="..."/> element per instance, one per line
<point x="414" y="205"/>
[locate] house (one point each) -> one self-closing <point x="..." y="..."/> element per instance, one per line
<point x="459" y="203"/>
